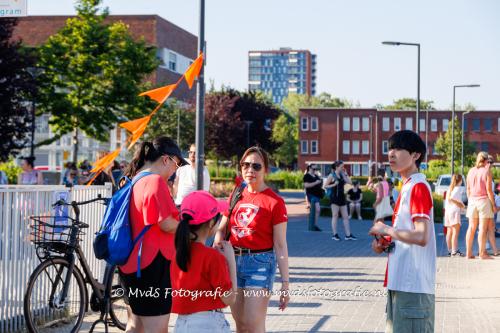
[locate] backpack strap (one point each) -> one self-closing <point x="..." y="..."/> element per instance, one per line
<point x="137" y="177"/>
<point x="233" y="200"/>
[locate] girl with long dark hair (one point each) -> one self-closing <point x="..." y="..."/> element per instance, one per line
<point x="203" y="278"/>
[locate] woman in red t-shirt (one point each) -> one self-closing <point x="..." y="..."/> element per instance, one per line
<point x="258" y="235"/>
<point x="203" y="280"/>
<point x="151" y="204"/>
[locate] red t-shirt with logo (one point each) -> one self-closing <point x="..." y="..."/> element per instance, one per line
<point x="200" y="288"/>
<point x="150" y="203"/>
<point x="254" y="217"/>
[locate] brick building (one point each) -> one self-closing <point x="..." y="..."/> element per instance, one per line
<point x="357" y="136"/>
<point x="176" y="47"/>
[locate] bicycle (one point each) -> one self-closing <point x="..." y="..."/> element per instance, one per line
<point x="57" y="296"/>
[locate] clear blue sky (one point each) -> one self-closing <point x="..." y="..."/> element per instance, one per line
<point x="460" y="42"/>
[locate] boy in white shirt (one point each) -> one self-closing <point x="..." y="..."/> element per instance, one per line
<point x="410" y="242"/>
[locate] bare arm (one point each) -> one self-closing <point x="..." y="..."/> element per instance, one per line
<point x="418" y="236"/>
<point x="489" y="190"/>
<point x="229" y="297"/>
<point x="221" y="232"/>
<point x="309" y="185"/>
<point x="457" y="203"/>
<point x="379" y="190"/>
<point x="169" y="224"/>
<point x="331" y="182"/>
<point x="281" y="250"/>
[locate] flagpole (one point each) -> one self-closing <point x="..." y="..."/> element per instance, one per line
<point x="200" y="98"/>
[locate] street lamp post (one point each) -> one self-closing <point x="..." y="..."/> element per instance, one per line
<point x="453" y="127"/>
<point x="418" y="79"/>
<point x="463" y="134"/>
<point x="200" y="105"/>
<point x="33" y="72"/>
<point x="248" y="123"/>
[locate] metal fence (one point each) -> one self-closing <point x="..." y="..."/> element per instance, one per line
<point x="17" y="254"/>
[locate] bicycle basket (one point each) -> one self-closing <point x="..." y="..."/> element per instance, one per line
<point x="53" y="232"/>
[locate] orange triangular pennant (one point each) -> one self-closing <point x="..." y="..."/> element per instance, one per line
<point x="105" y="161"/>
<point x="160" y="94"/>
<point x="136" y="127"/>
<point x="194" y="70"/>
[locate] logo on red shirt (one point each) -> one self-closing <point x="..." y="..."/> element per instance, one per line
<point x="244" y="216"/>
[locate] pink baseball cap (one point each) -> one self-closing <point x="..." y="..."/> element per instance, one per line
<point x="202" y="206"/>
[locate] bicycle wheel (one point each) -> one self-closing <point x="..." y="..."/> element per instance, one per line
<point x="43" y="315"/>
<point x="118" y="308"/>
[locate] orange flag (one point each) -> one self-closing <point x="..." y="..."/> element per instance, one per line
<point x="136" y="127"/>
<point x="194" y="70"/>
<point x="105" y="161"/>
<point x="160" y="94"/>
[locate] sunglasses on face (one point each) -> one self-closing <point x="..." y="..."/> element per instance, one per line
<point x="247" y="165"/>
<point x="177" y="165"/>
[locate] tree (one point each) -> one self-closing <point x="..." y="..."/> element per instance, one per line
<point x="407" y="104"/>
<point x="285" y="133"/>
<point x="226" y="131"/>
<point x="91" y="75"/>
<point x="443" y="145"/>
<point x="16" y="88"/>
<point x="293" y="102"/>
<point x="164" y="122"/>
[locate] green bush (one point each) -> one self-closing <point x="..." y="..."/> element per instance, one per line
<point x="222" y="172"/>
<point x="288" y="179"/>
<point x="12" y="170"/>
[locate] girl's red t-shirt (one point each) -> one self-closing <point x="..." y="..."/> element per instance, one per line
<point x="200" y="288"/>
<point x="254" y="217"/>
<point x="150" y="203"/>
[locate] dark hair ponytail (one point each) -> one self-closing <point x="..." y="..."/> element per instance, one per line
<point x="183" y="241"/>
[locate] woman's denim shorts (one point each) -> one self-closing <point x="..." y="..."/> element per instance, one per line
<point x="256" y="270"/>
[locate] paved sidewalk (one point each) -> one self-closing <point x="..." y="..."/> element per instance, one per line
<point x="344" y="283"/>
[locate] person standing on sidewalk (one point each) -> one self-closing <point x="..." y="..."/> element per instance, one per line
<point x="201" y="270"/>
<point x="257" y="225"/>
<point x="452" y="215"/>
<point x="336" y="181"/>
<point x="314" y="192"/>
<point x="411" y="243"/>
<point x="185" y="180"/>
<point x="481" y="205"/>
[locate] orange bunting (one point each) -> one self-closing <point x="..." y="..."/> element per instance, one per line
<point x="105" y="161"/>
<point x="194" y="70"/>
<point x="136" y="127"/>
<point x="160" y="94"/>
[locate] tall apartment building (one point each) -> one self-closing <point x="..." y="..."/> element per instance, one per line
<point x="176" y="47"/>
<point x="360" y="136"/>
<point x="281" y="72"/>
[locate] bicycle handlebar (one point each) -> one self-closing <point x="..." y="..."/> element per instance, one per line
<point x="80" y="203"/>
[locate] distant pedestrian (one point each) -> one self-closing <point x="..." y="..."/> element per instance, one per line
<point x="355" y="196"/>
<point x="71" y="178"/>
<point x="382" y="204"/>
<point x="336" y="181"/>
<point x="198" y="268"/>
<point x="314" y="193"/>
<point x="3" y="178"/>
<point x="29" y="176"/>
<point x="453" y="213"/>
<point x="411" y="243"/>
<point x="481" y="204"/>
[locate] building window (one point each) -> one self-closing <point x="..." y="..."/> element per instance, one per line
<point x="485" y="146"/>
<point x="488" y="125"/>
<point x="346" y="147"/>
<point x="409" y="124"/>
<point x="314" y="146"/>
<point x="434" y="125"/>
<point x="385" y="147"/>
<point x="355" y="147"/>
<point x="421" y="127"/>
<point x="385" y="124"/>
<point x="446" y="123"/>
<point x="355" y="124"/>
<point x="364" y="169"/>
<point x="314" y="124"/>
<point x="346" y="124"/>
<point x="397" y="124"/>
<point x="365" y="147"/>
<point x="366" y="124"/>
<point x="475" y="125"/>
<point x="172" y="61"/>
<point x="303" y="147"/>
<point x="304" y="124"/>
<point x="355" y="170"/>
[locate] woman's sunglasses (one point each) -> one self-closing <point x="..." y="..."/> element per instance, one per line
<point x="247" y="165"/>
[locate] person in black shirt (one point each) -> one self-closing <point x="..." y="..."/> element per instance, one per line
<point x="314" y="192"/>
<point x="336" y="182"/>
<point x="354" y="196"/>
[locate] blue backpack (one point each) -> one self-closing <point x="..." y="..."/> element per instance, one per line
<point x="113" y="242"/>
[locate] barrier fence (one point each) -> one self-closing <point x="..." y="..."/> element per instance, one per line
<point x="17" y="255"/>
